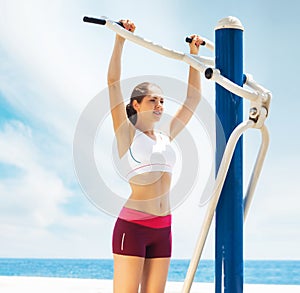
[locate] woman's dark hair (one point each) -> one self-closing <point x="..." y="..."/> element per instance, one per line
<point x="138" y="94"/>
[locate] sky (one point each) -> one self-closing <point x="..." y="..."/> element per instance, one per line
<point x="53" y="65"/>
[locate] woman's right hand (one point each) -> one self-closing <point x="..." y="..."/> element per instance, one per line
<point x="128" y="25"/>
<point x="195" y="44"/>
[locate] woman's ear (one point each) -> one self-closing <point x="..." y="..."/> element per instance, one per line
<point x="136" y="105"/>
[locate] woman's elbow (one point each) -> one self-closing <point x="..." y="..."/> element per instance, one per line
<point x="111" y="80"/>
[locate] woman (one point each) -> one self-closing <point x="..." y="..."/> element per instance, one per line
<point x="142" y="233"/>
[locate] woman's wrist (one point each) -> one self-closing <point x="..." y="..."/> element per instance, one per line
<point x="119" y="40"/>
<point x="194" y="52"/>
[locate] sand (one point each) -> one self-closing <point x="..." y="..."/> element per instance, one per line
<point x="68" y="285"/>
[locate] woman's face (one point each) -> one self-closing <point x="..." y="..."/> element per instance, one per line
<point x="151" y="106"/>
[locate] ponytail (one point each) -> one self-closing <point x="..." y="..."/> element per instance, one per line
<point x="131" y="113"/>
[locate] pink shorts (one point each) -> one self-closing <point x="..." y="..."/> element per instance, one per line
<point x="140" y="234"/>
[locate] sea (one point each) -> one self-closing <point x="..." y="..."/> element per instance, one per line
<point x="255" y="271"/>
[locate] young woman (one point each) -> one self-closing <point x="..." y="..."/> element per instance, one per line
<point x="142" y="234"/>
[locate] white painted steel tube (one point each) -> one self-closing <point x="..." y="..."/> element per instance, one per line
<point x="192" y="61"/>
<point x="209" y="45"/>
<point x="254" y="85"/>
<point x="144" y="42"/>
<point x="198" y="63"/>
<point x="221" y="176"/>
<point x="257" y="169"/>
<point x="205" y="60"/>
<point x="232" y="87"/>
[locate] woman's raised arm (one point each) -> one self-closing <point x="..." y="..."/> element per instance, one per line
<point x="186" y="111"/>
<point x="121" y="123"/>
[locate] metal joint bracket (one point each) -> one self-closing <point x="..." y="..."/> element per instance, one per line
<point x="259" y="107"/>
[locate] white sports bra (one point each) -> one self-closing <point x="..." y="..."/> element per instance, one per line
<point x="148" y="155"/>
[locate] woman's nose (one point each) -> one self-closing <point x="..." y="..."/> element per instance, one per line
<point x="159" y="104"/>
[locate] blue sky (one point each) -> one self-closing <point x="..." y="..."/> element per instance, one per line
<point x="53" y="64"/>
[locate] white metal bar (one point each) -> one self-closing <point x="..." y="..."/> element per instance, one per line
<point x="232" y="87"/>
<point x="205" y="60"/>
<point x="222" y="172"/>
<point x="192" y="61"/>
<point x="254" y="85"/>
<point x="144" y="42"/>
<point x="208" y="44"/>
<point x="257" y="169"/>
<point x="198" y="63"/>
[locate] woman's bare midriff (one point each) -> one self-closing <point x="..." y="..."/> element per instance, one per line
<point x="150" y="193"/>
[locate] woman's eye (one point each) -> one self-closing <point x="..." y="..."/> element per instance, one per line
<point x="154" y="100"/>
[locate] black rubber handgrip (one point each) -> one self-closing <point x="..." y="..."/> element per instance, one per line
<point x="99" y="21"/>
<point x="94" y="20"/>
<point x="189" y="40"/>
<point x="120" y="23"/>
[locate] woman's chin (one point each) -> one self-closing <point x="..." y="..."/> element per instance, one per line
<point x="157" y="116"/>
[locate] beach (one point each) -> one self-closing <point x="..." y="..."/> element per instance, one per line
<point x="68" y="285"/>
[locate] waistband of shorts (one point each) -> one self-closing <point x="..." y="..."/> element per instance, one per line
<point x="145" y="219"/>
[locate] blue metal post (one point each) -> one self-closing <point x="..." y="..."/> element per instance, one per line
<point x="229" y="265"/>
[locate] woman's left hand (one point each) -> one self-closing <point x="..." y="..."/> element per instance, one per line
<point x="195" y="44"/>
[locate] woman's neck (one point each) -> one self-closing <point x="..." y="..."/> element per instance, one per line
<point x="147" y="129"/>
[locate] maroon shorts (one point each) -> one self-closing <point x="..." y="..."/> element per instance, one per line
<point x="133" y="239"/>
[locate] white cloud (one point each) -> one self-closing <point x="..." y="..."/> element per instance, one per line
<point x="72" y="237"/>
<point x="33" y="220"/>
<point x="37" y="192"/>
<point x="47" y="74"/>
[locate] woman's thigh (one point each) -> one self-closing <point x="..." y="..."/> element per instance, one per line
<point x="127" y="273"/>
<point x="155" y="274"/>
